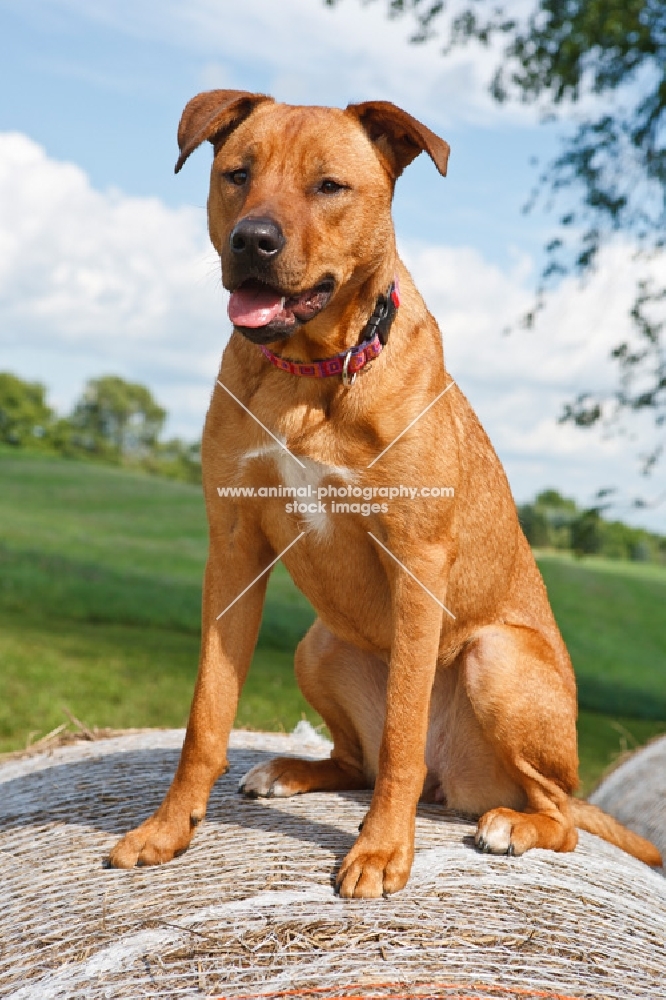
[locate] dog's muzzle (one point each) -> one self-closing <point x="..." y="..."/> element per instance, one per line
<point x="256" y="241"/>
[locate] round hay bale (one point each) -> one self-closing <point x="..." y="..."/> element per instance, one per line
<point x="635" y="793"/>
<point x="250" y="910"/>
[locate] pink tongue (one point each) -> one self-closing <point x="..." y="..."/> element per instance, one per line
<point x="254" y="307"/>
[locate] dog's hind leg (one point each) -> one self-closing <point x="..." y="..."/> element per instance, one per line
<point x="348" y="689"/>
<point x="524" y="698"/>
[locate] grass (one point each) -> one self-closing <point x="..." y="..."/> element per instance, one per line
<point x="611" y="615"/>
<point x="614" y="625"/>
<point x="100" y="595"/>
<point x="100" y="579"/>
<point x="602" y="739"/>
<point x="123" y="676"/>
<point x="102" y="515"/>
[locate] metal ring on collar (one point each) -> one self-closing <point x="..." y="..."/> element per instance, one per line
<point x="348" y="380"/>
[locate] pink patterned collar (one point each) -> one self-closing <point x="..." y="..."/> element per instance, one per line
<point x="348" y="363"/>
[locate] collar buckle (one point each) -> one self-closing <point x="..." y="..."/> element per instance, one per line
<point x="347" y="379"/>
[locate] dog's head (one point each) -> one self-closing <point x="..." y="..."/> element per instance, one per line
<point x="300" y="199"/>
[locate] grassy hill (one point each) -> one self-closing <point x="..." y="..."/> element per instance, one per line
<point x="100" y="576"/>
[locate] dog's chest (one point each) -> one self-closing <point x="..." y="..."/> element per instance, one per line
<point x="294" y="491"/>
<point x="322" y="519"/>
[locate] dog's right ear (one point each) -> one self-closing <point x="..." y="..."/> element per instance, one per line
<point x="213" y="115"/>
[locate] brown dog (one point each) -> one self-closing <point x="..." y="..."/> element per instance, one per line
<point x="435" y="660"/>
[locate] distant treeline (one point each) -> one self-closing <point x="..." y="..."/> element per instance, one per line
<point x="113" y="421"/>
<point x="556" y="522"/>
<point x="120" y="422"/>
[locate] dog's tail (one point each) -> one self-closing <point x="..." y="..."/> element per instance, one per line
<point x="590" y="818"/>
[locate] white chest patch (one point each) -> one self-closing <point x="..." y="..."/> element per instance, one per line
<point x="302" y="482"/>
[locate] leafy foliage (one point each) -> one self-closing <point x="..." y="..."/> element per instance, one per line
<point x="113" y="421"/>
<point x="117" y="417"/>
<point x="24" y="415"/>
<point x="610" y="177"/>
<point x="556" y="522"/>
<point x="586" y="536"/>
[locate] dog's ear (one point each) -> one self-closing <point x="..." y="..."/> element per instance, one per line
<point x="399" y="138"/>
<point x="213" y="115"/>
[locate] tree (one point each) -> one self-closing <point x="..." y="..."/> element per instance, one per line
<point x="116" y="418"/>
<point x="25" y="418"/>
<point x="535" y="525"/>
<point x="613" y="162"/>
<point x="586" y="536"/>
<point x="547" y="521"/>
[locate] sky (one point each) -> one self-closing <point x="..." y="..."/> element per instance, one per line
<point x="105" y="263"/>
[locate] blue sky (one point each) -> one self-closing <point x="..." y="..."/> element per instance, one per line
<point x="106" y="92"/>
<point x="104" y="261"/>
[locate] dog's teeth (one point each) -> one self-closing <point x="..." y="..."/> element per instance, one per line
<point x="282" y="301"/>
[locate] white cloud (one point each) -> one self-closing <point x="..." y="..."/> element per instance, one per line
<point x="94" y="282"/>
<point x="519" y="382"/>
<point x="104" y="282"/>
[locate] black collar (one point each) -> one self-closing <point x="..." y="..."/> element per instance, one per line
<point x="384" y="313"/>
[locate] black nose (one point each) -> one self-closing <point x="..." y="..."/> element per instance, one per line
<point x="257" y="237"/>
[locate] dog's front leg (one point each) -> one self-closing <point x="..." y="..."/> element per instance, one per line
<point x="381" y="859"/>
<point x="227" y="645"/>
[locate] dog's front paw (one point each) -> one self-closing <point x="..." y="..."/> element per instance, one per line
<point x="370" y="870"/>
<point x="154" y="842"/>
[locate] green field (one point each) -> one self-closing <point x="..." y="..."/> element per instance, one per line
<point x="100" y="575"/>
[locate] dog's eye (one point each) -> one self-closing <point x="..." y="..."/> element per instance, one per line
<point x="237" y="177"/>
<point x="329" y="186"/>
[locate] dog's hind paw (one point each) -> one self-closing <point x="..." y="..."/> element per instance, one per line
<point x="285" y="776"/>
<point x="504" y="831"/>
<point x="494" y="833"/>
<point x="263" y="781"/>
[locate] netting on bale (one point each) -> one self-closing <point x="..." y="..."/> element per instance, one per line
<point x="635" y="793"/>
<point x="250" y="910"/>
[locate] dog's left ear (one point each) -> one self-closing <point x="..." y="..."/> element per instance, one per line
<point x="213" y="115"/>
<point x="399" y="138"/>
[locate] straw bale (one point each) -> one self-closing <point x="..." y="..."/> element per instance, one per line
<point x="250" y="909"/>
<point x="635" y="792"/>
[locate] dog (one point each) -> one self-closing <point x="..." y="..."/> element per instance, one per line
<point x="435" y="660"/>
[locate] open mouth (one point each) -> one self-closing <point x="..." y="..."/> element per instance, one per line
<point x="263" y="313"/>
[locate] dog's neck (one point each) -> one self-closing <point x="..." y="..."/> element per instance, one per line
<point x="348" y="363"/>
<point x="342" y="324"/>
